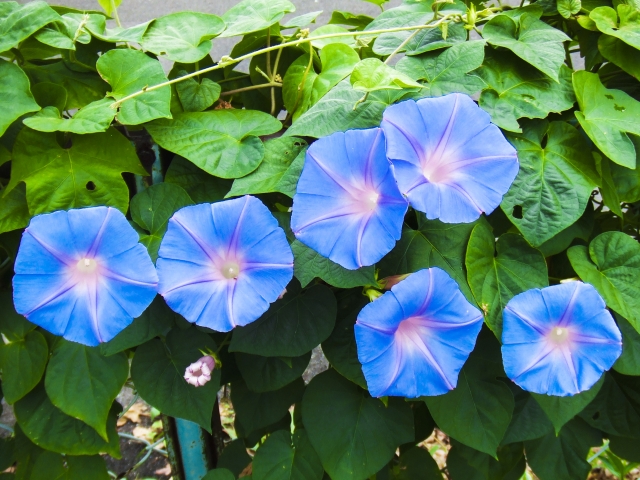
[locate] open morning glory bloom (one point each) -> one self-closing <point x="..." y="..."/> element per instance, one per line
<point x="82" y="274"/>
<point x="348" y="207"/>
<point x="449" y="160"/>
<point x="559" y="340"/>
<point x="414" y="339"/>
<point x="222" y="264"/>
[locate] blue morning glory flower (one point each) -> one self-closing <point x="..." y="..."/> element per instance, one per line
<point x="414" y="339"/>
<point x="450" y="161"/>
<point x="559" y="340"/>
<point x="82" y="274"/>
<point x="222" y="264"/>
<point x="348" y="207"/>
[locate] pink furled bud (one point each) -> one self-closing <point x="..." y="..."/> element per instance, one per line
<point x="199" y="373"/>
<point x="281" y="296"/>
<point x="389" y="282"/>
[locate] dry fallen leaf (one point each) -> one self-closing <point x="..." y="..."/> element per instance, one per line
<point x="142" y="432"/>
<point x="166" y="470"/>
<point x="137" y="410"/>
<point x="248" y="470"/>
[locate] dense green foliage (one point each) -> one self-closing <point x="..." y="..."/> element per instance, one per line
<point x="89" y="117"/>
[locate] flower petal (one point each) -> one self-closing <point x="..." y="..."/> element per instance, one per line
<point x="348" y="207"/>
<point x="559" y="340"/>
<point x="449" y="160"/>
<point x="414" y="340"/>
<point x="222" y="264"/>
<point x="82" y="274"/>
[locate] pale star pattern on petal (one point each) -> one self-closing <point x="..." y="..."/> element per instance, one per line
<point x="82" y="274"/>
<point x="414" y="339"/>
<point x="348" y="207"/>
<point x="221" y="265"/>
<point x="449" y="160"/>
<point x="559" y="340"/>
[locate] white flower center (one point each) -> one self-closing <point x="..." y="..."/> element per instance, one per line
<point x="230" y="270"/>
<point x="370" y="201"/>
<point x="86" y="265"/>
<point x="559" y="335"/>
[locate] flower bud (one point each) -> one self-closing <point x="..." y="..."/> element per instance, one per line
<point x="388" y="282"/>
<point x="199" y="373"/>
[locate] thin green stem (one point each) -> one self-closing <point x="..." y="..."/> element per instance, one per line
<point x="252" y="87"/>
<point x="224" y="342"/>
<point x="81" y="25"/>
<point x="269" y="54"/>
<point x="6" y="427"/>
<point x="270" y="75"/>
<point x="277" y="62"/>
<point x="304" y="80"/>
<point x="226" y="61"/>
<point x="360" y="100"/>
<point x="150" y="446"/>
<point x="400" y="47"/>
<point x="568" y="56"/>
<point x="273" y="101"/>
<point x="233" y="79"/>
<point x="115" y="13"/>
<point x="410" y="37"/>
<point x="128" y="407"/>
<point x="600" y="451"/>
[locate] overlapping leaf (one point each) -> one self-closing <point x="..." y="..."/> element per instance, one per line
<point x="17" y="98"/>
<point x="309" y="264"/>
<point x="561" y="410"/>
<point x="88" y="172"/>
<point x="253" y="15"/>
<point x="303" y="87"/>
<point x="152" y="208"/>
<point x="201" y="187"/>
<point x="478" y="411"/>
<point x="355" y="435"/>
<point x="278" y="172"/>
<point x="22" y="21"/>
<point x="529" y="38"/>
<point x="612" y="265"/>
<point x="50" y="428"/>
<point x="257" y="410"/>
<point x="223" y="143"/>
<point x="515" y="90"/>
<point x="82" y="87"/>
<point x="629" y="362"/>
<point x="23" y="361"/>
<point x="129" y="71"/>
<point x="158" y="368"/>
<point x="554" y="183"/>
<point x="284" y="458"/>
<point x="627" y="28"/>
<point x="93" y="118"/>
<point x="372" y="74"/>
<point x="292" y="326"/>
<point x="447" y="71"/>
<point x="335" y="111"/>
<point x="433" y="244"/>
<point x="183" y="36"/>
<point x="608" y="117"/>
<point x="83" y="383"/>
<point x="497" y="271"/>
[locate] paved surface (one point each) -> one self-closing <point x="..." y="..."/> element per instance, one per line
<point x="134" y="12"/>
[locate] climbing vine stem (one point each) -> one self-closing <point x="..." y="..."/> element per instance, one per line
<point x="226" y="61"/>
